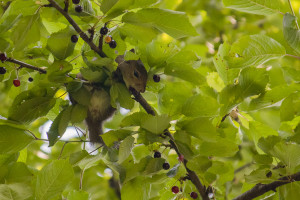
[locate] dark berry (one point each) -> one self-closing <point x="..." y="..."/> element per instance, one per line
<point x="2" y="70"/>
<point x="112" y="44"/>
<point x="30" y="79"/>
<point x="175" y="189"/>
<point x="108" y="39"/>
<point x="194" y="195"/>
<point x="16" y="82"/>
<point x="78" y="8"/>
<point x="157" y="154"/>
<point x="3" y="57"/>
<point x="104" y="30"/>
<point x="156" y="78"/>
<point x="181" y="158"/>
<point x="76" y="1"/>
<point x="166" y="166"/>
<point x="74" y="38"/>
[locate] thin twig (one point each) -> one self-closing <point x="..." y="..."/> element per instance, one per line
<point x="261" y="189"/>
<point x="66" y="6"/>
<point x="291" y="7"/>
<point x="293" y="56"/>
<point x="193" y="176"/>
<point x="26" y="65"/>
<point x="62" y="149"/>
<point x="77" y="28"/>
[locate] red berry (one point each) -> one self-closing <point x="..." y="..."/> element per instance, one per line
<point x="78" y="8"/>
<point x="175" y="189"/>
<point x="181" y="158"/>
<point x="156" y="78"/>
<point x="166" y="166"/>
<point x="194" y="195"/>
<point x="3" y="57"/>
<point x="157" y="154"/>
<point x="76" y="1"/>
<point x="16" y="82"/>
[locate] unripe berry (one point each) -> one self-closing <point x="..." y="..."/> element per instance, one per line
<point x="108" y="39"/>
<point x="16" y="82"/>
<point x="175" y="189"/>
<point x="181" y="158"/>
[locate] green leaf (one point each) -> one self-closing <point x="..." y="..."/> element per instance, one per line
<point x="13" y="139"/>
<point x="59" y="126"/>
<point x="254" y="50"/>
<point x="79" y="113"/>
<point x="78" y="195"/>
<point x="153" y="166"/>
<point x="120" y="93"/>
<point x="144" y="34"/>
<point x="199" y="164"/>
<point x="221" y="148"/>
<point x="137" y="188"/>
<point x="52" y="179"/>
<point x="230" y="97"/>
<point x="114" y="136"/>
<point x="200" y="106"/>
<point x="139" y="151"/>
<point x="253" y="81"/>
<point x="81" y="96"/>
<point x="174" y="23"/>
<point x="18" y="172"/>
<point x="263" y="159"/>
<point x="58" y="70"/>
<point x="290" y="31"/>
<point x="257" y="6"/>
<point x="60" y="44"/>
<point x="16" y="191"/>
<point x="125" y="148"/>
<point x="31" y="109"/>
<point x="221" y="63"/>
<point x="290" y="107"/>
<point x="107" y="5"/>
<point x="173" y="96"/>
<point x="27" y="31"/>
<point x="134" y="119"/>
<point x="156" y="124"/>
<point x="9" y="22"/>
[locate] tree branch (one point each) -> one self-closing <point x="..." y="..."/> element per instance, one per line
<point x="77" y="28"/>
<point x="260" y="189"/>
<point x="192" y="175"/>
<point x="22" y="64"/>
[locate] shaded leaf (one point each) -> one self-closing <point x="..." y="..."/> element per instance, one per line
<point x="156" y="124"/>
<point x="290" y="31"/>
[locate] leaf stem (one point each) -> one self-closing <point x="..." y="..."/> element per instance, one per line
<point x="290" y="4"/>
<point x="62" y="149"/>
<point x="293" y="56"/>
<point x="77" y="28"/>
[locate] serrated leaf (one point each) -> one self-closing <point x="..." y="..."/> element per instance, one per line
<point x="125" y="148"/>
<point x="220" y="62"/>
<point x="290" y="31"/>
<point x="120" y="93"/>
<point x="60" y="44"/>
<point x="59" y="126"/>
<point x="290" y="107"/>
<point x="58" y="70"/>
<point x="156" y="124"/>
<point x="153" y="166"/>
<point x="221" y="148"/>
<point x="79" y="113"/>
<point x="133" y="119"/>
<point x="26" y="32"/>
<point x="31" y="109"/>
<point x="200" y="106"/>
<point x="174" y="23"/>
<point x="15" y="191"/>
<point x="139" y="151"/>
<point x="254" y="50"/>
<point x="199" y="164"/>
<point x="13" y="139"/>
<point x="230" y="97"/>
<point x="52" y="179"/>
<point x="113" y="136"/>
<point x="253" y="81"/>
<point x="257" y="6"/>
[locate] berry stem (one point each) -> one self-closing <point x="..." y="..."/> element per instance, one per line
<point x="66" y="6"/>
<point x="78" y="29"/>
<point x="101" y="39"/>
<point x="22" y="64"/>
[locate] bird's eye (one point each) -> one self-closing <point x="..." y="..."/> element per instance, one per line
<point x="136" y="74"/>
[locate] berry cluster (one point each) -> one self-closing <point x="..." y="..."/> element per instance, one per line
<point x="108" y="39"/>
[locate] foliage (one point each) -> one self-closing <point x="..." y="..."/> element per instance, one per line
<point x="227" y="99"/>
